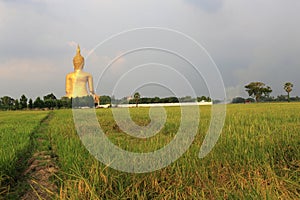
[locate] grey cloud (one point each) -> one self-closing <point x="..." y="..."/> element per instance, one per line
<point x="207" y="5"/>
<point x="249" y="40"/>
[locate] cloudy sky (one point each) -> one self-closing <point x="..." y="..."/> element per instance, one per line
<point x="255" y="40"/>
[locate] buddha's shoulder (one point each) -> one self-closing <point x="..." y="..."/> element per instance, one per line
<point x="80" y="73"/>
<point x="85" y="73"/>
<point x="70" y="74"/>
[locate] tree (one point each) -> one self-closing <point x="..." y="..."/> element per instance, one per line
<point x="288" y="87"/>
<point x="30" y="104"/>
<point x="23" y="102"/>
<point x="155" y="100"/>
<point x="7" y="102"/>
<point x="203" y="98"/>
<point x="16" y="105"/>
<point x="187" y="99"/>
<point x="258" y="90"/>
<point x="136" y="98"/>
<point x="49" y="103"/>
<point x="86" y="101"/>
<point x="50" y="97"/>
<point x="38" y="103"/>
<point x="250" y="100"/>
<point x="238" y="100"/>
<point x="59" y="103"/>
<point x="66" y="102"/>
<point x="105" y="100"/>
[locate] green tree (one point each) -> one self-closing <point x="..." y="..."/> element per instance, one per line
<point x="203" y="98"/>
<point x="136" y="97"/>
<point x="86" y="101"/>
<point x="38" y="103"/>
<point x="250" y="100"/>
<point x="105" y="99"/>
<point x="288" y="87"/>
<point x="49" y="96"/>
<point x="16" y="105"/>
<point x="49" y="103"/>
<point x="238" y="100"/>
<point x="30" y="104"/>
<point x="66" y="102"/>
<point x="155" y="100"/>
<point x="23" y="102"/>
<point x="7" y="102"/>
<point x="58" y="103"/>
<point x="258" y="90"/>
<point x="75" y="102"/>
<point x="187" y="99"/>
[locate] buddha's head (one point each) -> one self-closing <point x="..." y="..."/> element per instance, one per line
<point x="78" y="60"/>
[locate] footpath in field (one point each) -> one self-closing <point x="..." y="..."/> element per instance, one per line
<point x="41" y="166"/>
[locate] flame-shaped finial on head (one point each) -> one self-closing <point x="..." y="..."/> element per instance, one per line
<point x="78" y="49"/>
<point x="78" y="60"/>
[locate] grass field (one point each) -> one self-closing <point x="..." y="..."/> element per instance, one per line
<point x="16" y="130"/>
<point x="256" y="157"/>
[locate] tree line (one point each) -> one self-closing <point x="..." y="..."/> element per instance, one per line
<point x="257" y="91"/>
<point x="260" y="92"/>
<point x="49" y="101"/>
<point x="147" y="100"/>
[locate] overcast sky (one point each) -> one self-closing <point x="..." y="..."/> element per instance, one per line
<point x="249" y="40"/>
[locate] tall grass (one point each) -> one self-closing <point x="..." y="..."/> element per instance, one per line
<point x="256" y="156"/>
<point x="16" y="128"/>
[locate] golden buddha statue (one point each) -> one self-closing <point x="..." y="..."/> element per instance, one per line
<point x="79" y="83"/>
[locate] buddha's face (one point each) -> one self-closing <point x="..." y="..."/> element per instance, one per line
<point x="78" y="65"/>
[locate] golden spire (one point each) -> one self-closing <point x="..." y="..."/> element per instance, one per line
<point x="78" y="49"/>
<point x="78" y="60"/>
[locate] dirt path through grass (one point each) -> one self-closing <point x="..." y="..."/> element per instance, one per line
<point x="41" y="166"/>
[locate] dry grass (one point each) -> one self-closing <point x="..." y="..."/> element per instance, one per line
<point x="256" y="157"/>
